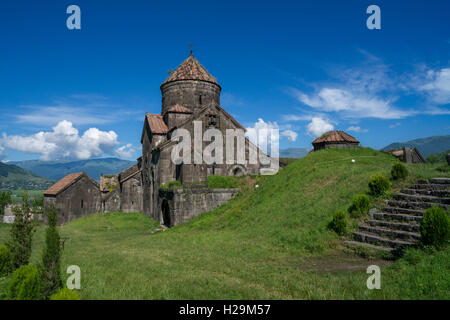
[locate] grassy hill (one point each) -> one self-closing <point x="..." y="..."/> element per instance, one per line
<point x="270" y="242"/>
<point x="57" y="169"/>
<point x="13" y="177"/>
<point x="426" y="146"/>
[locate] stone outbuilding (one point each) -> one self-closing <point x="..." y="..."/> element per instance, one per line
<point x="408" y="155"/>
<point x="335" y="139"/>
<point x="74" y="196"/>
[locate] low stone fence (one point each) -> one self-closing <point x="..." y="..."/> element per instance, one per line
<point x="180" y="205"/>
<point x="10" y="218"/>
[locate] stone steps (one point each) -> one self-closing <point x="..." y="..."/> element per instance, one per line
<point x="416" y="198"/>
<point x="414" y="205"/>
<point x="382" y="241"/>
<point x="429" y="186"/>
<point x="367" y="245"/>
<point x="391" y="233"/>
<point x="398" y="210"/>
<point x="397" y="225"/>
<point x="427" y="192"/>
<point x="411" y="227"/>
<point x="397" y="217"/>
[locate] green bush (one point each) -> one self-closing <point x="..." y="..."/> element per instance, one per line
<point x="378" y="184"/>
<point x="435" y="227"/>
<point x="360" y="205"/>
<point x="339" y="222"/>
<point x="65" y="294"/>
<point x="24" y="284"/>
<point x="399" y="171"/>
<point x="5" y="261"/>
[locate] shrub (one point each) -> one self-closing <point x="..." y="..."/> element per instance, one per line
<point x="435" y="227"/>
<point x="65" y="294"/>
<point x="21" y="234"/>
<point x="50" y="268"/>
<point x="24" y="284"/>
<point x="5" y="261"/>
<point x="378" y="184"/>
<point x="399" y="171"/>
<point x="360" y="205"/>
<point x="339" y="222"/>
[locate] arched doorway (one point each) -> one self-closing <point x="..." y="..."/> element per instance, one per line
<point x="166" y="213"/>
<point x="237" y="170"/>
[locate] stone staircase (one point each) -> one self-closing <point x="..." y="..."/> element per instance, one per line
<point x="397" y="225"/>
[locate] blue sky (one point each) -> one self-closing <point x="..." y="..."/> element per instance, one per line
<point x="301" y="66"/>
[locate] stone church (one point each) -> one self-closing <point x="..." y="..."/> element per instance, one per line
<point x="190" y="95"/>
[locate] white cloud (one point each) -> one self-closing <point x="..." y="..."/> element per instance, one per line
<point x="291" y="135"/>
<point x="437" y="85"/>
<point x="2" y="156"/>
<point x="125" y="152"/>
<point x="318" y="126"/>
<point x="351" y="105"/>
<point x="64" y="142"/>
<point x="356" y="129"/>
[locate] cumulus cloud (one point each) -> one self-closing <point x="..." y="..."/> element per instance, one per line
<point x="318" y="126"/>
<point x="291" y="135"/>
<point x="125" y="152"/>
<point x="64" y="142"/>
<point x="356" y="129"/>
<point x="351" y="105"/>
<point x="437" y="85"/>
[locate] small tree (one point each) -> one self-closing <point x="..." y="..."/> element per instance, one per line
<point x="5" y="198"/>
<point x="24" y="284"/>
<point x="378" y="184"/>
<point x="360" y="205"/>
<point x="50" y="268"/>
<point x="21" y="234"/>
<point x="435" y="227"/>
<point x="399" y="171"/>
<point x="339" y="222"/>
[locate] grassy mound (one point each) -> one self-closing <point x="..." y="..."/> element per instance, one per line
<point x="271" y="241"/>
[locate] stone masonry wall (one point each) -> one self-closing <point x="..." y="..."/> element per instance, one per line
<point x="185" y="204"/>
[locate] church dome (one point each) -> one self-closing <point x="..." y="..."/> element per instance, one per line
<point x="190" y="69"/>
<point x="190" y="86"/>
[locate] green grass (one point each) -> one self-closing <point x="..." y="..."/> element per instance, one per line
<point x="270" y="242"/>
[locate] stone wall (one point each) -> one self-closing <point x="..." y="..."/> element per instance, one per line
<point x="180" y="205"/>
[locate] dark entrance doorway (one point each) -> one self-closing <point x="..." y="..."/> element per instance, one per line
<point x="166" y="213"/>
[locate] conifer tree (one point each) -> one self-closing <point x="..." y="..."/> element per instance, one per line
<point x="50" y="268"/>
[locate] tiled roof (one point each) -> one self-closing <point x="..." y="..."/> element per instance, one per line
<point x="179" y="109"/>
<point x="63" y="183"/>
<point x="156" y="123"/>
<point x="190" y="69"/>
<point x="335" y="136"/>
<point x="106" y="182"/>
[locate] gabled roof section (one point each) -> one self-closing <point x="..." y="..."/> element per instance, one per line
<point x="156" y="123"/>
<point x="63" y="184"/>
<point x="335" y="136"/>
<point x="178" y="109"/>
<point x="190" y="69"/>
<point x="129" y="173"/>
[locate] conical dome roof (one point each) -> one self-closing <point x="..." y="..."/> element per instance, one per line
<point x="190" y="69"/>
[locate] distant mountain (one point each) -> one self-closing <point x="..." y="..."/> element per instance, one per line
<point x="294" y="152"/>
<point x="426" y="146"/>
<point x="13" y="177"/>
<point x="57" y="169"/>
